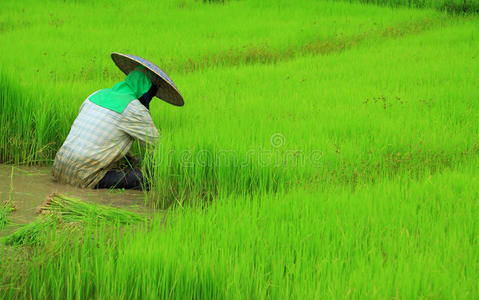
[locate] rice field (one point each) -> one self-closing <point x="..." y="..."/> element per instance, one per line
<point x="326" y="149"/>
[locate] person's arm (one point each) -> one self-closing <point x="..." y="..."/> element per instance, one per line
<point x="136" y="122"/>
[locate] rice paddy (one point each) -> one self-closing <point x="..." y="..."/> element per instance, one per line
<point x="326" y="149"/>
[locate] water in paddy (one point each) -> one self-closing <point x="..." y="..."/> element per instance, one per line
<point x="30" y="186"/>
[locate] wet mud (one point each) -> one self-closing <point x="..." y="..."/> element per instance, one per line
<point x="28" y="188"/>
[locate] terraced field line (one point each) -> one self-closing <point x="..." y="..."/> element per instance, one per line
<point x="266" y="55"/>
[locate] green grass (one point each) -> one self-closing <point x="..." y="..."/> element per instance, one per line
<point x="326" y="149"/>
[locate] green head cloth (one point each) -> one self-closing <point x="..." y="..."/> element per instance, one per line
<point x="121" y="94"/>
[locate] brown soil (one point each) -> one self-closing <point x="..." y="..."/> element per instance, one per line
<point x="29" y="187"/>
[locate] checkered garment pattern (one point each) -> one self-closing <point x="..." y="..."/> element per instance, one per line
<point x="98" y="138"/>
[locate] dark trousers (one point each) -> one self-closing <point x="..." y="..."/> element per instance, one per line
<point x="129" y="178"/>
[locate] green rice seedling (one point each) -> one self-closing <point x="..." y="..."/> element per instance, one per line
<point x="398" y="238"/>
<point x="275" y="25"/>
<point x="316" y="100"/>
<point x="326" y="149"/>
<point x="15" y="266"/>
<point x="349" y="118"/>
<point x="6" y="207"/>
<point x="455" y="6"/>
<point x="64" y="213"/>
<point x="34" y="233"/>
<point x="30" y="135"/>
<point x="70" y="209"/>
<point x="51" y="84"/>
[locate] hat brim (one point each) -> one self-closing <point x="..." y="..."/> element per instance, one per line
<point x="167" y="90"/>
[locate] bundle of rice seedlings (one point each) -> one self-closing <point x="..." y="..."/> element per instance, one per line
<point x="33" y="233"/>
<point x="70" y="209"/>
<point x="64" y="213"/>
<point x="5" y="209"/>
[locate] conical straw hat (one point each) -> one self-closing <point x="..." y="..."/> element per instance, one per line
<point x="167" y="90"/>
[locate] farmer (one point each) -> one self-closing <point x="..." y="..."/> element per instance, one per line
<point x="107" y="124"/>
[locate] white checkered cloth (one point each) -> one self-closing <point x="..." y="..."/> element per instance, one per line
<point x="99" y="137"/>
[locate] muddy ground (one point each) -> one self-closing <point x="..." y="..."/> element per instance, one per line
<point x="28" y="187"/>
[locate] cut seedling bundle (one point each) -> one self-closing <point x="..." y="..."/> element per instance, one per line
<point x="5" y="209"/>
<point x="62" y="212"/>
<point x="75" y="210"/>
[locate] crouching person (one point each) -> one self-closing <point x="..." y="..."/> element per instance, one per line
<point x="105" y="128"/>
